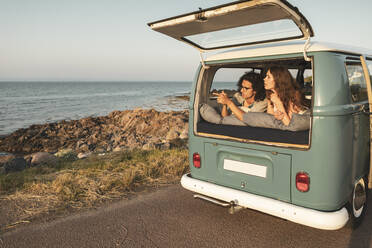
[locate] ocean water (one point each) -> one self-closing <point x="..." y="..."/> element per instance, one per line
<point x="25" y="103"/>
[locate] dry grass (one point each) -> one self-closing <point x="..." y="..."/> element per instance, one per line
<point x="84" y="183"/>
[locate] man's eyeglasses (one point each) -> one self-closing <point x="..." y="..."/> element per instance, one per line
<point x="246" y="88"/>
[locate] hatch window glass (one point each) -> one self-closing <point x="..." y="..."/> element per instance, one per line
<point x="369" y="64"/>
<point x="357" y="82"/>
<point x="268" y="31"/>
<point x="243" y="85"/>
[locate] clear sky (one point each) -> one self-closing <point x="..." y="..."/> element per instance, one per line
<point x="109" y="39"/>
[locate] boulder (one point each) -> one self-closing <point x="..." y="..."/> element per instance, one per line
<point x="148" y="146"/>
<point x="66" y="154"/>
<point x="63" y="152"/>
<point x="40" y="158"/>
<point x="84" y="155"/>
<point x="184" y="134"/>
<point x="15" y="164"/>
<point x="28" y="159"/>
<point x="118" y="149"/>
<point x="6" y="158"/>
<point x="172" y="134"/>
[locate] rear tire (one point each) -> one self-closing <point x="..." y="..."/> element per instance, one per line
<point x="357" y="204"/>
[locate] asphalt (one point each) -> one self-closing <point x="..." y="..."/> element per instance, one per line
<point x="170" y="217"/>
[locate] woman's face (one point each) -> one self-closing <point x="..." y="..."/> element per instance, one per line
<point x="247" y="90"/>
<point x="269" y="81"/>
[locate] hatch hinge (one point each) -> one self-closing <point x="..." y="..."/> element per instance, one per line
<point x="306" y="46"/>
<point x="202" y="60"/>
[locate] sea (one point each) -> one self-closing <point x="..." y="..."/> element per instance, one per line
<point x="26" y="103"/>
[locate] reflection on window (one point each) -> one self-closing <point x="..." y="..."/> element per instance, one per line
<point x="267" y="31"/>
<point x="357" y="81"/>
<point x="369" y="64"/>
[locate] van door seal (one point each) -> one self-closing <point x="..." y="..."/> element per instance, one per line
<point x="202" y="60"/>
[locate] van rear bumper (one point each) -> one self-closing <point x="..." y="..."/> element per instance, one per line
<point x="305" y="216"/>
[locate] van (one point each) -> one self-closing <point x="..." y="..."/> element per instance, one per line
<point x="316" y="176"/>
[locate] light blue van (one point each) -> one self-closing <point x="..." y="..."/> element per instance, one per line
<point x="316" y="177"/>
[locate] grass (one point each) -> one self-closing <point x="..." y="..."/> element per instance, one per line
<point x="82" y="183"/>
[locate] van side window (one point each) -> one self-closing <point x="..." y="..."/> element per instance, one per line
<point x="369" y="65"/>
<point x="357" y="82"/>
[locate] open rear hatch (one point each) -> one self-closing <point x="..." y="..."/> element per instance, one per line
<point x="237" y="24"/>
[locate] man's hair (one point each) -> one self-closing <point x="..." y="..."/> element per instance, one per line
<point x="257" y="84"/>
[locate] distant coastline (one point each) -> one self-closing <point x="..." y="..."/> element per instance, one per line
<point x="28" y="103"/>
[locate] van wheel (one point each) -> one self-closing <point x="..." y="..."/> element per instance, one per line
<point x="357" y="204"/>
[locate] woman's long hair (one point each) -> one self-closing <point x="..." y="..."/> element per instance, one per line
<point x="287" y="88"/>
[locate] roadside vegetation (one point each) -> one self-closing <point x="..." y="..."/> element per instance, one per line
<point x="75" y="184"/>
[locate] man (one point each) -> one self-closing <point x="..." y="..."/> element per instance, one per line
<point x="253" y="99"/>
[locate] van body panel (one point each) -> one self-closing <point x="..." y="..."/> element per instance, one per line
<point x="328" y="163"/>
<point x="330" y="80"/>
<point x="272" y="179"/>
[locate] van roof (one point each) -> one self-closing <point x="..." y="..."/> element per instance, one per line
<point x="287" y="47"/>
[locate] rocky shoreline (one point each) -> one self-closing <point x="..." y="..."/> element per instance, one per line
<point x="119" y="130"/>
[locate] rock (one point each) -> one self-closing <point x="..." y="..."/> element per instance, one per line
<point x="172" y="134"/>
<point x="43" y="158"/>
<point x="63" y="152"/>
<point x="6" y="158"/>
<point x="100" y="150"/>
<point x="28" y="159"/>
<point x="15" y="164"/>
<point x="184" y="134"/>
<point x="178" y="143"/>
<point x="148" y="146"/>
<point x="83" y="148"/>
<point x="118" y="149"/>
<point x="165" y="146"/>
<point x="84" y="155"/>
<point x="66" y="154"/>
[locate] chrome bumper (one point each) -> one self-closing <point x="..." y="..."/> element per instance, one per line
<point x="305" y="216"/>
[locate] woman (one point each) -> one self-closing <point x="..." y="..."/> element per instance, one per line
<point x="284" y="95"/>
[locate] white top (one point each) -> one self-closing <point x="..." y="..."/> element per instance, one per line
<point x="260" y="106"/>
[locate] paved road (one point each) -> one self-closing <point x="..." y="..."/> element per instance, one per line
<point x="170" y="217"/>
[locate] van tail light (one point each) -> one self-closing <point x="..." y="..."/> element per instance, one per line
<point x="196" y="160"/>
<point x="302" y="181"/>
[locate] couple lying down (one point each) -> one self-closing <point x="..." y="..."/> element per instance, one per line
<point x="278" y="94"/>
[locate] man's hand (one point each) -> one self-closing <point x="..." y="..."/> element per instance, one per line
<point x="223" y="98"/>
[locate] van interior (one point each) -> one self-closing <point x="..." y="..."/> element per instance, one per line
<point x="224" y="77"/>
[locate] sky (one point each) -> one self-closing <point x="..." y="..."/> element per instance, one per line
<point x="109" y="40"/>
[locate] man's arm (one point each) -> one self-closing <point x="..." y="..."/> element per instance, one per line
<point x="224" y="99"/>
<point x="224" y="111"/>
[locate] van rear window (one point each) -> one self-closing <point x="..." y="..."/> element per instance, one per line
<point x="236" y="100"/>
